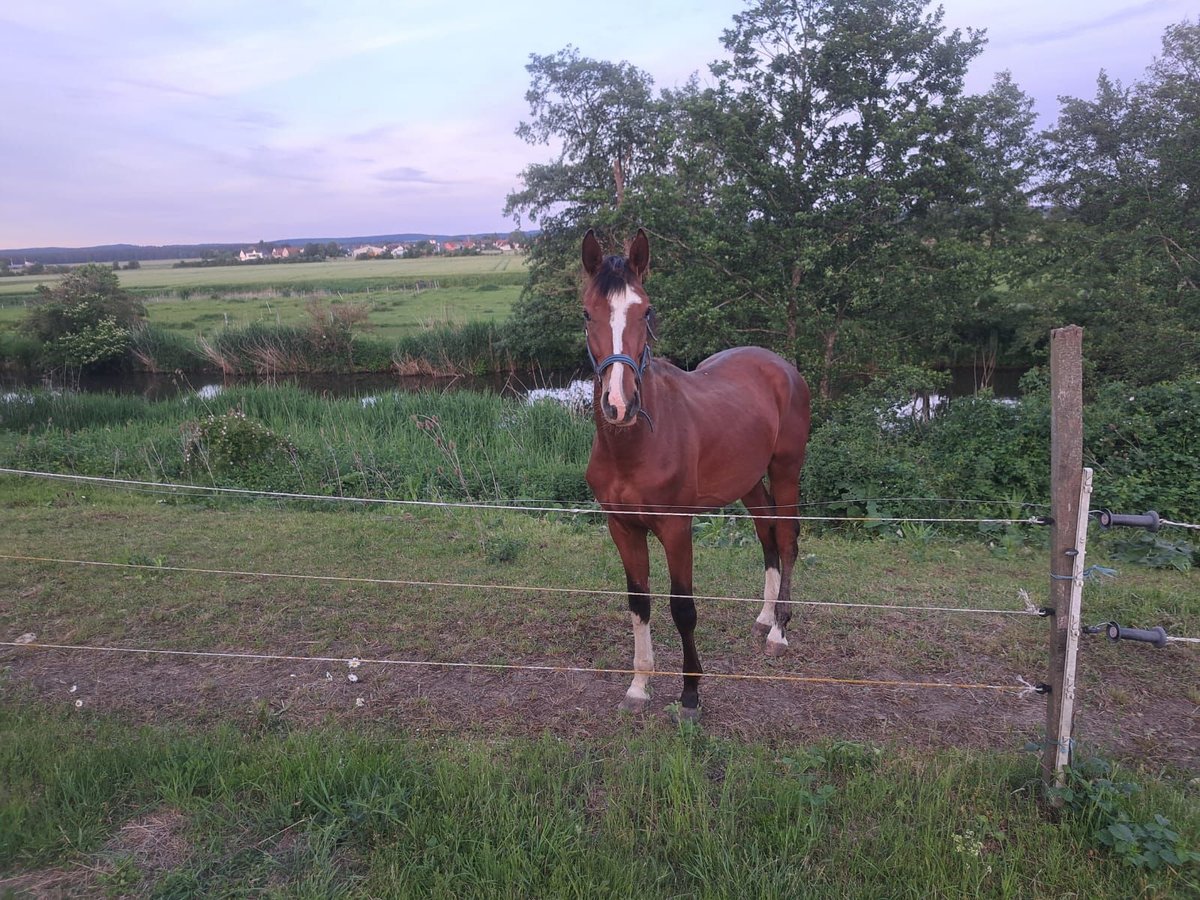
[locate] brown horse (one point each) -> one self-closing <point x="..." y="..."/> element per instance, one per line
<point x="670" y="441"/>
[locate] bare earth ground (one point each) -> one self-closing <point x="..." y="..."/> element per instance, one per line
<point x="1133" y="700"/>
<point x="1133" y="705"/>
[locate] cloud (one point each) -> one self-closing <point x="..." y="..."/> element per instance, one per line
<point x="1080" y="28"/>
<point x="405" y="174"/>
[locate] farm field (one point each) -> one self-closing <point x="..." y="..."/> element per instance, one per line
<point x="401" y="297"/>
<point x="270" y="775"/>
<point x="158" y="276"/>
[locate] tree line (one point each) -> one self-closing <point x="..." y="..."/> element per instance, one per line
<point x="833" y="191"/>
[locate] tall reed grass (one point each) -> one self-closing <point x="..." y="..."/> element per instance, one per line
<point x="493" y="448"/>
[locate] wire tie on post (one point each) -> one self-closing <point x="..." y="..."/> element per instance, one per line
<point x="1030" y="689"/>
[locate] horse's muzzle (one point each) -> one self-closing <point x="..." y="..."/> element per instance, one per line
<point x="623" y="418"/>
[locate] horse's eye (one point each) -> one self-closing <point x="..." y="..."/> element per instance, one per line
<point x="587" y="316"/>
<point x="650" y="313"/>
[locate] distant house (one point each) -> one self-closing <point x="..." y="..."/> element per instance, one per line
<point x="368" y="251"/>
<point x="286" y="252"/>
<point x="247" y="255"/>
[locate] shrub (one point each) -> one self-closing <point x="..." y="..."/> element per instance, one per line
<point x="238" y="450"/>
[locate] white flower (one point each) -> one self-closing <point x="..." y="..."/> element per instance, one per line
<point x="354" y="663"/>
<point x="360" y="702"/>
<point x="352" y="678"/>
<point x="73" y="689"/>
<point x="78" y="704"/>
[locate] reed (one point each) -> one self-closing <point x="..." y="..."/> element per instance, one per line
<point x="504" y="449"/>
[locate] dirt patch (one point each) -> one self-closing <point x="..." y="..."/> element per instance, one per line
<point x="129" y="865"/>
<point x="1133" y="706"/>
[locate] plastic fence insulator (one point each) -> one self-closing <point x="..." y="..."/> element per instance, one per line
<point x="1156" y="636"/>
<point x="1148" y="520"/>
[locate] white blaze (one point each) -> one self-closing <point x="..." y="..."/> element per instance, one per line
<point x="619" y="305"/>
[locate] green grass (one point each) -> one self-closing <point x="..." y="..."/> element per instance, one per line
<point x="654" y="812"/>
<point x="402" y="299"/>
<point x="206" y="778"/>
<point x="340" y="274"/>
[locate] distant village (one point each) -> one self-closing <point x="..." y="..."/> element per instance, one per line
<point x="428" y="247"/>
<point x="263" y="252"/>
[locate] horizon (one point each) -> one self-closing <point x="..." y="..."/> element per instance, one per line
<point x="202" y="124"/>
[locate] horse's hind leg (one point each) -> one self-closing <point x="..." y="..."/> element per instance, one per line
<point x="785" y="488"/>
<point x="761" y="506"/>
<point x="635" y="557"/>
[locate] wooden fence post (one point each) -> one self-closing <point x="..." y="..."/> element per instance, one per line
<point x="1066" y="484"/>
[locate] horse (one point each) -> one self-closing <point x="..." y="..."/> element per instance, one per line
<point x="671" y="444"/>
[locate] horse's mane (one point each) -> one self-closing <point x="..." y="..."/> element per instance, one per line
<point x="613" y="276"/>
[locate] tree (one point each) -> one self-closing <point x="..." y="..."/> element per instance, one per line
<point x="603" y="117"/>
<point x="839" y="124"/>
<point x="86" y="319"/>
<point x="834" y="195"/>
<point x="1124" y="188"/>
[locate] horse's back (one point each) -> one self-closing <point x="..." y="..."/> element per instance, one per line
<point x="752" y="368"/>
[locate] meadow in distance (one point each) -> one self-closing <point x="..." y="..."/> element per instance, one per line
<point x="399" y="295"/>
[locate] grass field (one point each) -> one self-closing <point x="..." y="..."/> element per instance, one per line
<point x="401" y="296"/>
<point x="157" y="276"/>
<point x="140" y="775"/>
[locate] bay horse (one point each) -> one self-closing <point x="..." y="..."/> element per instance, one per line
<point x="682" y="443"/>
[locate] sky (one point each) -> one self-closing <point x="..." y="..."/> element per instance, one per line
<point x="143" y="122"/>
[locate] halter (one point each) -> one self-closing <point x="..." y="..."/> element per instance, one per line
<point x="612" y="359"/>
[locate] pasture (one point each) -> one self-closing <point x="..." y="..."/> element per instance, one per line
<point x="161" y="276"/>
<point x="137" y="773"/>
<point x="400" y="296"/>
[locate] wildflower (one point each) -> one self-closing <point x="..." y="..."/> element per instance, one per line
<point x="360" y="702"/>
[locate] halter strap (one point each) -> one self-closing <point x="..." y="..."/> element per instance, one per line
<point x="609" y="361"/>
<point x="638" y="366"/>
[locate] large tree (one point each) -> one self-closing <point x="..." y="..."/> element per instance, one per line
<point x="602" y="119"/>
<point x="831" y="193"/>
<point x="1125" y="214"/>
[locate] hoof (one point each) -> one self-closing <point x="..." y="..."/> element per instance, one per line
<point x="760" y="631"/>
<point x="680" y="713"/>
<point x="776" y="648"/>
<point x="633" y="705"/>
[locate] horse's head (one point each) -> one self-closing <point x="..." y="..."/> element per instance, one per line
<point x="618" y="322"/>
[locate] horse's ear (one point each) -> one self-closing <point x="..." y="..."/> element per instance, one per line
<point x="639" y="255"/>
<point x="592" y="255"/>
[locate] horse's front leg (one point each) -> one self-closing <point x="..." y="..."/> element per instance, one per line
<point x="635" y="557"/>
<point x="676" y="536"/>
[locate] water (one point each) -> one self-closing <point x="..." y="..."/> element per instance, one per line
<point x="165" y="387"/>
<point x="1005" y="383"/>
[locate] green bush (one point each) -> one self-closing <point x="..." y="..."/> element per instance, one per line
<point x="236" y="450"/>
<point x="1143" y="444"/>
